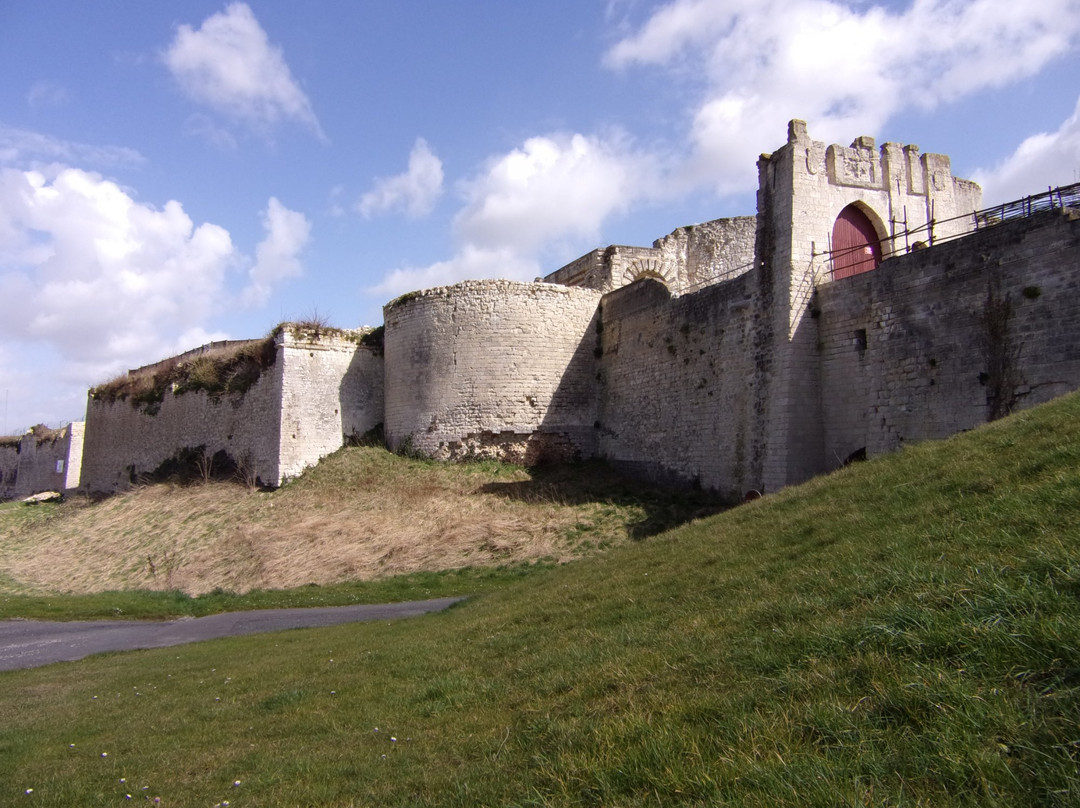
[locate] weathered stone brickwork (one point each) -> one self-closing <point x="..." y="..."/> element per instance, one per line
<point x="321" y="389"/>
<point x="943" y="340"/>
<point x="705" y="254"/>
<point x="677" y="403"/>
<point x="734" y="355"/>
<point x="492" y="368"/>
<point x="42" y="460"/>
<point x="125" y="443"/>
<point x="331" y="389"/>
<point x="685" y="260"/>
<point x="9" y="466"/>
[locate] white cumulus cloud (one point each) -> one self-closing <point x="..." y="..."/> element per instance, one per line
<point x="1044" y="160"/>
<point x="414" y="192"/>
<point x="552" y="189"/>
<point x="276" y="256"/>
<point x="230" y="65"/>
<point x="543" y="200"/>
<point x="845" y="67"/>
<point x="95" y="282"/>
<point x="104" y="280"/>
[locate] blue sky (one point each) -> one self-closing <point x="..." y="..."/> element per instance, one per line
<point x="176" y="173"/>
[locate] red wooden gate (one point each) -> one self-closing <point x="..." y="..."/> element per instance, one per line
<point x="855" y="244"/>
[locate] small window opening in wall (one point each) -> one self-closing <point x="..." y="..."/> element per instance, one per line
<point x="860" y="339"/>
<point x="59" y="466"/>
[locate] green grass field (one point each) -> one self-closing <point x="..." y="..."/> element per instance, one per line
<point x="905" y="632"/>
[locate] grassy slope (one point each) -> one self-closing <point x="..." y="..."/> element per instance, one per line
<point x="905" y="632"/>
<point x="340" y="522"/>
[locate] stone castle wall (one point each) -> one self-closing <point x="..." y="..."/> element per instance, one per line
<point x="492" y="368"/>
<point x="677" y="391"/>
<point x="725" y="356"/>
<point x="687" y="259"/>
<point x="42" y="460"/>
<point x="125" y="443"/>
<point x="926" y="345"/>
<point x="9" y="467"/>
<point x="332" y="390"/>
<point x="942" y="340"/>
<point x="708" y="253"/>
<point x="49" y="461"/>
<point x="320" y="390"/>
<point x="803" y="188"/>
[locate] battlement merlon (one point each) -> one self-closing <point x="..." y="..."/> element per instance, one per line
<point x="896" y="168"/>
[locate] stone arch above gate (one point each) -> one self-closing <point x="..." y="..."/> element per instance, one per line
<point x="655" y="268"/>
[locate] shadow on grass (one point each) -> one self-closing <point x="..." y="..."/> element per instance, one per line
<point x="593" y="481"/>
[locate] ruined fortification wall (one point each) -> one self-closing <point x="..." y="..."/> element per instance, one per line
<point x="73" y="471"/>
<point x="332" y="388"/>
<point x="684" y="261"/>
<point x="678" y="375"/>
<point x="704" y="254"/>
<point x="9" y="466"/>
<point x="322" y="387"/>
<point x="492" y="368"/>
<point x="944" y="339"/>
<point x="42" y="460"/>
<point x="616" y="266"/>
<point x="124" y="442"/>
<point x="724" y="356"/>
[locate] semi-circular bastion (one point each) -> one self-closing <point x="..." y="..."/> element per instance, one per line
<point x="492" y="368"/>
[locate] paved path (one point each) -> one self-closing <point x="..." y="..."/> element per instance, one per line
<point x="32" y="643"/>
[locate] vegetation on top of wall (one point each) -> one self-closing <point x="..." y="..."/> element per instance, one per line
<point x="230" y="369"/>
<point x="313" y="329"/>
<point x="373" y="338"/>
<point x="223" y="370"/>
<point x="44" y="434"/>
<point x="405" y="298"/>
<point x="10" y="441"/>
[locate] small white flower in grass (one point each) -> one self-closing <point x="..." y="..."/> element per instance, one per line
<point x="127" y="796"/>
<point x="393" y="739"/>
<point x="29" y="791"/>
<point x="123" y="779"/>
<point x="104" y="754"/>
<point x="235" y="783"/>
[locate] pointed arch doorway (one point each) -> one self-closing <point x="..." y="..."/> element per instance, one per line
<point x="856" y="247"/>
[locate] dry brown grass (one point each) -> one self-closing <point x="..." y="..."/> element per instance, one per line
<point x="361" y="514"/>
